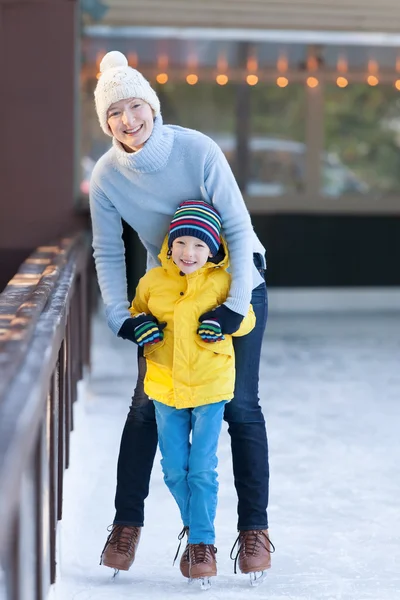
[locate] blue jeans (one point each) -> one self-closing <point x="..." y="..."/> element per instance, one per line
<point x="190" y="468"/>
<point x="246" y="424"/>
<point x="246" y="428"/>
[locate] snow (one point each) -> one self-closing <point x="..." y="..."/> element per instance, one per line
<point x="331" y="394"/>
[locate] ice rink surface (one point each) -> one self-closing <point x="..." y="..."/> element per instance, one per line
<point x="330" y="391"/>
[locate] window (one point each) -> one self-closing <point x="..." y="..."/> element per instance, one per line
<point x="362" y="141"/>
<point x="277" y="148"/>
<point x="293" y="147"/>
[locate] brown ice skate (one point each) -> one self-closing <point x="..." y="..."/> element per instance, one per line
<point x="253" y="553"/>
<point x="202" y="563"/>
<point x="120" y="548"/>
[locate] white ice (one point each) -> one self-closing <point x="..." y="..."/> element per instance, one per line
<point x="330" y="391"/>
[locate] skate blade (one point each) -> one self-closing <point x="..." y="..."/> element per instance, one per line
<point x="116" y="571"/>
<point x="203" y="582"/>
<point x="257" y="577"/>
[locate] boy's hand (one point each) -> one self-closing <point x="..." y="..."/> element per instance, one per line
<point x="210" y="331"/>
<point x="142" y="330"/>
<point x="228" y="319"/>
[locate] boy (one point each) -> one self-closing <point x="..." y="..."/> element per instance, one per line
<point x="190" y="368"/>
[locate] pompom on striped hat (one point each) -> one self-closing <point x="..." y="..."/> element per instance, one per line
<point x="198" y="219"/>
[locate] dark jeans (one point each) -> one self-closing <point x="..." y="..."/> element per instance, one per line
<point x="246" y="428"/>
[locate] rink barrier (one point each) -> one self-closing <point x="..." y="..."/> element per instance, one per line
<point x="44" y="351"/>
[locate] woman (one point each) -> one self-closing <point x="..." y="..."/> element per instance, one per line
<point x="149" y="170"/>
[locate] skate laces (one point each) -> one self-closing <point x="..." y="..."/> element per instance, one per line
<point x="185" y="531"/>
<point x="201" y="553"/>
<point x="124" y="537"/>
<point x="249" y="543"/>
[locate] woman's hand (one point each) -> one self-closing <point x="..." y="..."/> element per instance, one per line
<point x="142" y="330"/>
<point x="228" y="319"/>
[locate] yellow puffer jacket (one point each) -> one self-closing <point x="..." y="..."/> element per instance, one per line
<point x="183" y="370"/>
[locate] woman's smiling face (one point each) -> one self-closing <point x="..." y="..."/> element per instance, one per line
<point x="131" y="122"/>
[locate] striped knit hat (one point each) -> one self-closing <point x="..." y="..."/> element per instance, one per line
<point x="199" y="219"/>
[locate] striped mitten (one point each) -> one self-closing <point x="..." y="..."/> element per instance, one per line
<point x="143" y="329"/>
<point x="148" y="333"/>
<point x="210" y="331"/>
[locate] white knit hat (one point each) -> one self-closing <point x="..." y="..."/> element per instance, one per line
<point x="118" y="81"/>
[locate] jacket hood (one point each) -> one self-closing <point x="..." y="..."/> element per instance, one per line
<point x="222" y="261"/>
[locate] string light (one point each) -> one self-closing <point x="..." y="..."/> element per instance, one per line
<point x="252" y="67"/>
<point x="222" y="67"/>
<point x="192" y="63"/>
<point x="282" y="66"/>
<point x="282" y="82"/>
<point x="372" y="80"/>
<point x="222" y="79"/>
<point x="342" y="67"/>
<point x="312" y="82"/>
<point x="162" y="78"/>
<point x="342" y="82"/>
<point x="312" y="66"/>
<point x="192" y="79"/>
<point x="252" y="79"/>
<point x="162" y="62"/>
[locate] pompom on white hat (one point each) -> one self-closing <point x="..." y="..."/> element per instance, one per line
<point x="119" y="81"/>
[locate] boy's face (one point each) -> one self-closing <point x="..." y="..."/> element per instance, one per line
<point x="189" y="253"/>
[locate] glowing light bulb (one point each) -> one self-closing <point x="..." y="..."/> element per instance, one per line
<point x="312" y="82"/>
<point x="282" y="82"/>
<point x="372" y="80"/>
<point x="222" y="79"/>
<point x="192" y="79"/>
<point x="162" y="78"/>
<point x="397" y="84"/>
<point x="252" y="79"/>
<point x="342" y="82"/>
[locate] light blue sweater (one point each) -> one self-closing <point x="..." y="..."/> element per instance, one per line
<point x="145" y="188"/>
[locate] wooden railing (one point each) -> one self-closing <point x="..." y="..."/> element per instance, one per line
<point x="44" y="349"/>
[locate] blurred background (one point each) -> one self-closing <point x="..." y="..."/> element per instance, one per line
<point x="303" y="98"/>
